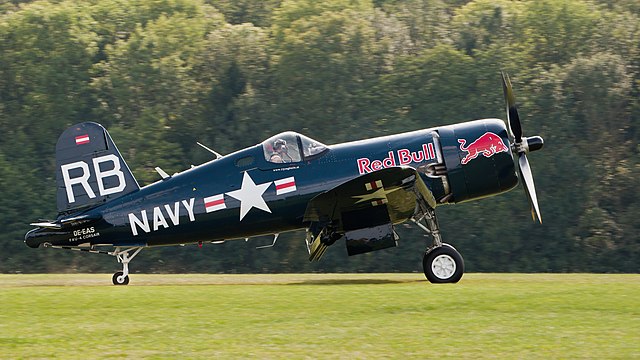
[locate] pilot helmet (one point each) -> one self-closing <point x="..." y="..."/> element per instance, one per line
<point x="280" y="144"/>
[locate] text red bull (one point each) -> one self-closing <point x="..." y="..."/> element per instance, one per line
<point x="488" y="145"/>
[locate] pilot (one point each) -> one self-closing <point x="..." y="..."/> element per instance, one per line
<point x="279" y="152"/>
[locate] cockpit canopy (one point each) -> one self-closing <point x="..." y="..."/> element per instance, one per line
<point x="289" y="147"/>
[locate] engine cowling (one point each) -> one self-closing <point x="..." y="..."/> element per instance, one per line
<point x="478" y="159"/>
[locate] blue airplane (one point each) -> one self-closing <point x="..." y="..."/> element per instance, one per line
<point x="357" y="190"/>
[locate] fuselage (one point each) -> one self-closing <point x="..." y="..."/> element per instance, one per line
<point x="245" y="193"/>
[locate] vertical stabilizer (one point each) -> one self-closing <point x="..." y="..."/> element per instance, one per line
<point x="89" y="168"/>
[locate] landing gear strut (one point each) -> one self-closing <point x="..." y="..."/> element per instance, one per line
<point x="319" y="240"/>
<point x="123" y="256"/>
<point x="441" y="263"/>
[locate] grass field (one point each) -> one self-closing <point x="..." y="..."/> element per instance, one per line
<point x="336" y="316"/>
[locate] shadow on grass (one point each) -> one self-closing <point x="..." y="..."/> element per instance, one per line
<point x="353" y="282"/>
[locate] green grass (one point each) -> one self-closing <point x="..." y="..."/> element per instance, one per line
<point x="335" y="316"/>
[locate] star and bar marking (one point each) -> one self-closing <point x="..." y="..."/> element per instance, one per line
<point x="250" y="195"/>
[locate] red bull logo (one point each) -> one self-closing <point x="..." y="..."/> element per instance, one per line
<point x="399" y="157"/>
<point x="488" y="145"/>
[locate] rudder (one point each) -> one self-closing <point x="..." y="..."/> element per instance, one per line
<point x="89" y="168"/>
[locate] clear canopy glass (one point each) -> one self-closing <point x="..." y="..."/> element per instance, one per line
<point x="290" y="147"/>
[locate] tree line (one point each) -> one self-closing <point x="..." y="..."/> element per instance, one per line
<point x="161" y="75"/>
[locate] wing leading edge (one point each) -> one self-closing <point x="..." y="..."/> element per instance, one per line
<point x="365" y="209"/>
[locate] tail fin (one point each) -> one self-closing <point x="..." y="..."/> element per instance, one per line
<point x="89" y="168"/>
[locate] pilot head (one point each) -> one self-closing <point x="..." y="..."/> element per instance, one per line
<point x="280" y="146"/>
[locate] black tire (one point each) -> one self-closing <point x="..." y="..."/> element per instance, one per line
<point x="443" y="264"/>
<point x="115" y="277"/>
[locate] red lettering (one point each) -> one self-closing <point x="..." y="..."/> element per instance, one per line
<point x="389" y="161"/>
<point x="404" y="156"/>
<point x="430" y="153"/>
<point x="363" y="165"/>
<point x="418" y="157"/>
<point x="376" y="165"/>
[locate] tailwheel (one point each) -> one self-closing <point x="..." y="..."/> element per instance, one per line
<point x="124" y="257"/>
<point x="119" y="278"/>
<point x="443" y="264"/>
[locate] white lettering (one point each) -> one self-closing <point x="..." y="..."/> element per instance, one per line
<point x="175" y="214"/>
<point x="189" y="207"/>
<point x="82" y="180"/>
<point x="109" y="173"/>
<point x="158" y="219"/>
<point x="135" y="222"/>
<point x="85" y="231"/>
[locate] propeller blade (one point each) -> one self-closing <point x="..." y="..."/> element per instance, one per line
<point x="513" y="119"/>
<point x="529" y="186"/>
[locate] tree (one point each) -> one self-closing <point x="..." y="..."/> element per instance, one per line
<point x="150" y="81"/>
<point x="46" y="56"/>
<point x="432" y="87"/>
<point x="234" y="68"/>
<point x="327" y="67"/>
<point x="161" y="75"/>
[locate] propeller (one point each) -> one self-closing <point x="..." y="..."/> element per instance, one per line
<point x="521" y="146"/>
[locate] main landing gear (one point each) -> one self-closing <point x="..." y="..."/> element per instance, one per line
<point x="124" y="257"/>
<point x="441" y="263"/>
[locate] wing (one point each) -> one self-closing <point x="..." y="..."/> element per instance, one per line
<point x="364" y="209"/>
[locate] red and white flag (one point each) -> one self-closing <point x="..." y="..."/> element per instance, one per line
<point x="82" y="139"/>
<point x="285" y="185"/>
<point x="214" y="203"/>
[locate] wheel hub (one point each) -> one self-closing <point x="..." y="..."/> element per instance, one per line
<point x="443" y="266"/>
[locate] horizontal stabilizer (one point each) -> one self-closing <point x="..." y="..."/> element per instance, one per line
<point x="67" y="223"/>
<point x="48" y="225"/>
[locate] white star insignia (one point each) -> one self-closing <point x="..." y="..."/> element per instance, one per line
<point x="250" y="195"/>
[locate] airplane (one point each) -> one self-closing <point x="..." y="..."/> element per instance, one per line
<point x="357" y="190"/>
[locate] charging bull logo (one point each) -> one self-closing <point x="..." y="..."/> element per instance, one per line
<point x="488" y="145"/>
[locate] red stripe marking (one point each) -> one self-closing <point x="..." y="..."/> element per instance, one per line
<point x="82" y="139"/>
<point x="214" y="203"/>
<point x="285" y="185"/>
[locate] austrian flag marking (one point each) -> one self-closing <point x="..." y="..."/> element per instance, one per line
<point x="214" y="203"/>
<point x="285" y="185"/>
<point x="82" y="139"/>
